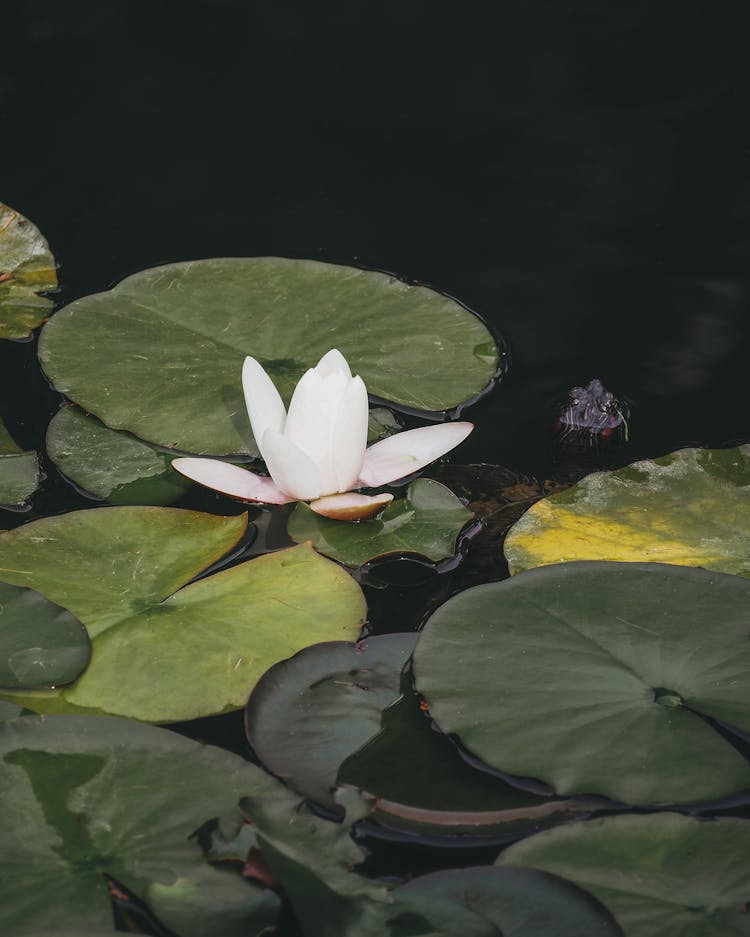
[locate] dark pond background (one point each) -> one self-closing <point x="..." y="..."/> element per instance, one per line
<point x="578" y="173"/>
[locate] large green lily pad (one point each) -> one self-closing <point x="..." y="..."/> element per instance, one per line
<point x="111" y="464"/>
<point x="19" y="471"/>
<point x="41" y="644"/>
<point x="691" y="507"/>
<point x="170" y="341"/>
<point x="163" y="649"/>
<point x="84" y="797"/>
<point x="486" y="901"/>
<point x="27" y="268"/>
<point x="662" y="875"/>
<point x="308" y="713"/>
<point x="426" y="522"/>
<point x="596" y="678"/>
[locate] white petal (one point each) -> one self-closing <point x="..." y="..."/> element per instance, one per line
<point x="331" y="361"/>
<point x="408" y="452"/>
<point x="350" y="506"/>
<point x="349" y="435"/>
<point x="264" y="404"/>
<point x="309" y="425"/>
<point x="292" y="470"/>
<point x="231" y="480"/>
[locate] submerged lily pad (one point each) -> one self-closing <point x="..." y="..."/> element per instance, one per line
<point x="170" y="341"/>
<point x="166" y="649"/>
<point x="426" y="522"/>
<point x="596" y="678"/>
<point x="19" y="472"/>
<point x="691" y="507"/>
<point x="27" y="268"/>
<point x="84" y="797"/>
<point x="660" y="874"/>
<point x="41" y="644"/>
<point x="308" y="713"/>
<point x="486" y="901"/>
<point x="111" y="464"/>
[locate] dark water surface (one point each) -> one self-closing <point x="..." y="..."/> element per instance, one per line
<point x="578" y="173"/>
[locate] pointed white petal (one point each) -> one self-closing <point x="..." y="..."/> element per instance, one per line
<point x="333" y="360"/>
<point x="231" y="480"/>
<point x="350" y="506"/>
<point x="292" y="470"/>
<point x="408" y="452"/>
<point x="315" y="402"/>
<point x="349" y="435"/>
<point x="264" y="404"/>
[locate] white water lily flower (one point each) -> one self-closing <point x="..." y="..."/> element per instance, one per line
<point x="318" y="452"/>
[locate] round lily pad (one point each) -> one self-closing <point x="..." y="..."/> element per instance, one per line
<point x="27" y="268"/>
<point x="87" y="797"/>
<point x="171" y="341"/>
<point x="660" y="874"/>
<point x="598" y="678"/>
<point x="426" y="522"/>
<point x="164" y="648"/>
<point x="308" y="713"/>
<point x="111" y="464"/>
<point x="485" y="901"/>
<point x="19" y="471"/>
<point x="691" y="507"/>
<point x="41" y="644"/>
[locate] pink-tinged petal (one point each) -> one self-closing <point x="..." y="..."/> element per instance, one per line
<point x="349" y="434"/>
<point x="293" y="470"/>
<point x="404" y="453"/>
<point x="350" y="506"/>
<point x="331" y="361"/>
<point x="231" y="480"/>
<point x="264" y="404"/>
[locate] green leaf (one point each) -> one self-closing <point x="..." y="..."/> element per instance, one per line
<point x="165" y="650"/>
<point x="662" y="874"/>
<point x="381" y="422"/>
<point x="245" y="911"/>
<point x="87" y="796"/>
<point x="111" y="464"/>
<point x="41" y="644"/>
<point x="426" y="522"/>
<point x="596" y="677"/>
<point x="314" y="858"/>
<point x="9" y="711"/>
<point x="489" y="901"/>
<point x="170" y="342"/>
<point x="19" y="471"/>
<point x="691" y="507"/>
<point x="425" y="786"/>
<point x="27" y="268"/>
<point x="308" y="713"/>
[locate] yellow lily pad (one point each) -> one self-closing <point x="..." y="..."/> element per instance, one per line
<point x="689" y="508"/>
